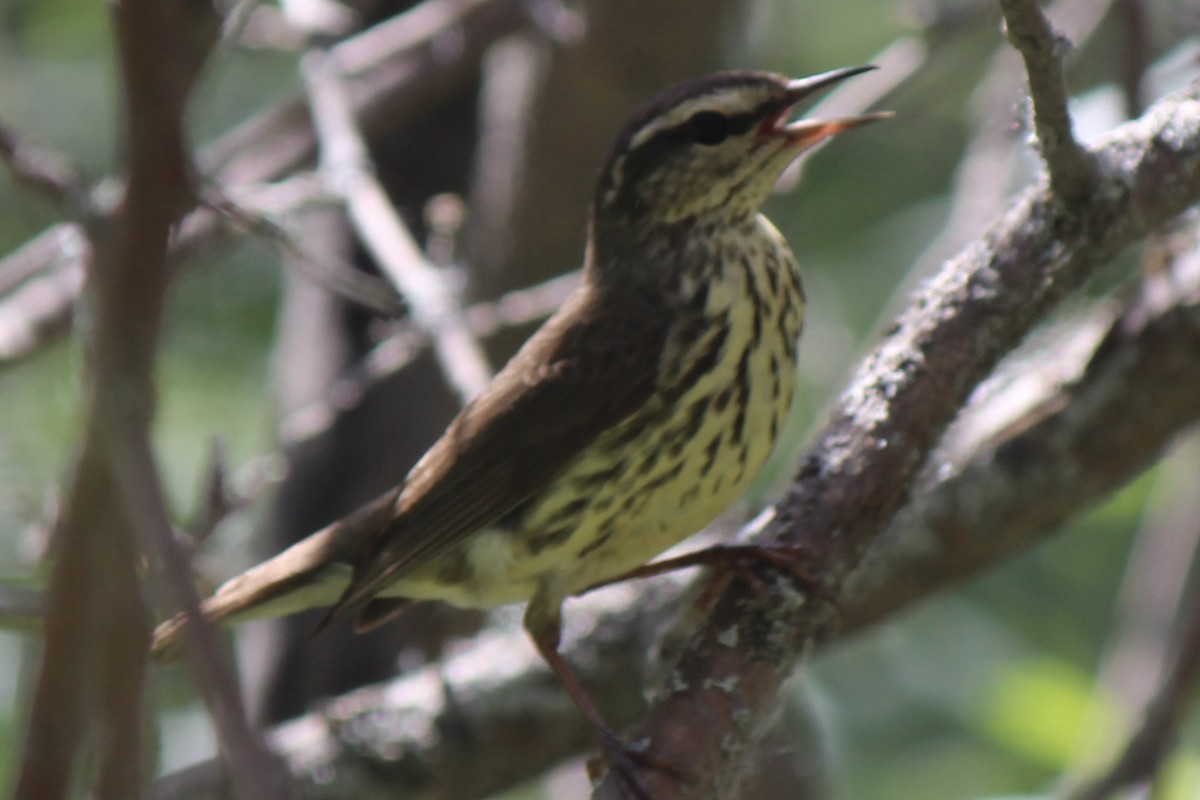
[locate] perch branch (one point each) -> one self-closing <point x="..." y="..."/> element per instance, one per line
<point x="861" y="468"/>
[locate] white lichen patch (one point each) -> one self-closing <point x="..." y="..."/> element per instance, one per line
<point x="727" y="684"/>
<point x="728" y="637"/>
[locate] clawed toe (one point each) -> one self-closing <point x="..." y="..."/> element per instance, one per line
<point x="795" y="560"/>
<point x="625" y="762"/>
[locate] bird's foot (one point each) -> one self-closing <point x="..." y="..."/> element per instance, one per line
<point x="625" y="761"/>
<point x="743" y="561"/>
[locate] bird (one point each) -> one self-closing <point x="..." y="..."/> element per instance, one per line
<point x="635" y="415"/>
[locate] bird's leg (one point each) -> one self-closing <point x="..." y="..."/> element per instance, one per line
<point x="738" y="559"/>
<point x="543" y="621"/>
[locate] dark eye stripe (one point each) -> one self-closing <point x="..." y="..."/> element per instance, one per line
<point x="735" y="125"/>
<point x="740" y="123"/>
<point x="647" y="156"/>
<point x="642" y="160"/>
<point x="708" y="128"/>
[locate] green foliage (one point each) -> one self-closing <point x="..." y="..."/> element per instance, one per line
<point x="1042" y="709"/>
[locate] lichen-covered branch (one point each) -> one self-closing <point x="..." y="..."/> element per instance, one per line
<point x="862" y="466"/>
<point x="1125" y="397"/>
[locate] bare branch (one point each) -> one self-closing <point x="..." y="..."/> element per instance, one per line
<point x="1134" y="54"/>
<point x="1079" y="426"/>
<point x="983" y="179"/>
<point x="255" y="771"/>
<point x="1151" y="744"/>
<point x="47" y="170"/>
<point x="347" y="166"/>
<point x="396" y="69"/>
<point x="40" y="253"/>
<point x="36" y="313"/>
<point x="1072" y="169"/>
<point x="88" y="706"/>
<point x="227" y="492"/>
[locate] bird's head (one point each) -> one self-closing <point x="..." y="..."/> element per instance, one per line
<point x="712" y="146"/>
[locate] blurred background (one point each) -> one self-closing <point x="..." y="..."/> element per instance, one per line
<point x="997" y="689"/>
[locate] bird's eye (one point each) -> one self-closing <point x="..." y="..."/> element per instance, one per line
<point x="708" y="127"/>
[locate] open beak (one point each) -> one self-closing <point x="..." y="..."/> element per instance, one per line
<point x="804" y="133"/>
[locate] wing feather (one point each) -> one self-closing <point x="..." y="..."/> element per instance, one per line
<point x="587" y="369"/>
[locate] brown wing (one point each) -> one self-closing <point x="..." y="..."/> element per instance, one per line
<point x="583" y="372"/>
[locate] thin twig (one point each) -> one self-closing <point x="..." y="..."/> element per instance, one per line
<point x="1071" y="168"/>
<point x="1135" y="54"/>
<point x="983" y="179"/>
<point x="347" y="166"/>
<point x="227" y="492"/>
<point x="1151" y="744"/>
<point x="49" y="171"/>
<point x="252" y="765"/>
<point x="253" y="213"/>
<point x="398" y="69"/>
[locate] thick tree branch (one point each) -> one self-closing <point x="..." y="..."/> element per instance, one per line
<point x="446" y="732"/>
<point x="1106" y="414"/>
<point x="860" y="470"/>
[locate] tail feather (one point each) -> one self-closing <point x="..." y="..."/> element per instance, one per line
<point x="311" y="573"/>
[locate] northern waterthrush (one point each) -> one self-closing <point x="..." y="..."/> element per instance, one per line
<point x="634" y="416"/>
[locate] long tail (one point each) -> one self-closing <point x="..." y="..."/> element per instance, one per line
<point x="309" y="574"/>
